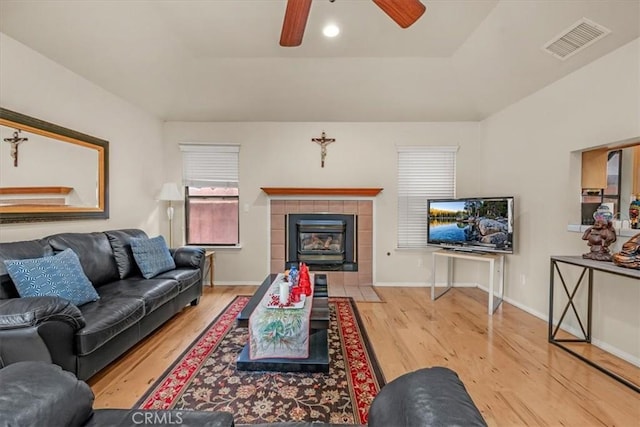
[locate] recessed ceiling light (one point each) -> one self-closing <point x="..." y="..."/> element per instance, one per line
<point x="331" y="30"/>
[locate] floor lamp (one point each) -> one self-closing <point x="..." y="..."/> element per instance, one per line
<point x="170" y="193"/>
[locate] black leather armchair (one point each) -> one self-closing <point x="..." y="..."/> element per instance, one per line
<point x="426" y="397"/>
<point x="85" y="339"/>
<point x="39" y="394"/>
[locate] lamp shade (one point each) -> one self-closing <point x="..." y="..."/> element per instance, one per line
<point x="169" y="192"/>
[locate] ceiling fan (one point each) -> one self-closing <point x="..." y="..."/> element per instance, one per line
<point x="403" y="12"/>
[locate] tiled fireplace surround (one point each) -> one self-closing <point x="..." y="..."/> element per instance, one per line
<point x="364" y="211"/>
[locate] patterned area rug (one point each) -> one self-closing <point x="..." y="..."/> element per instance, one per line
<point x="205" y="377"/>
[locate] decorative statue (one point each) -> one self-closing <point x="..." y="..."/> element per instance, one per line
<point x="600" y="235"/>
<point x="629" y="256"/>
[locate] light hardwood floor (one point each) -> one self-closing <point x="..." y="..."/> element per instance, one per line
<point x="513" y="374"/>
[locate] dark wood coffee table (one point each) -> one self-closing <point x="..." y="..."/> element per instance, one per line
<point x="318" y="360"/>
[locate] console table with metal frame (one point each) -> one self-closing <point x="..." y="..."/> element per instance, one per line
<point x="588" y="267"/>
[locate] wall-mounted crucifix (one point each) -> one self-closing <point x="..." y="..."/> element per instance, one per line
<point x="323" y="141"/>
<point x="15" y="142"/>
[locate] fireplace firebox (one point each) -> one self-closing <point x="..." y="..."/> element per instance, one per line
<point x="323" y="241"/>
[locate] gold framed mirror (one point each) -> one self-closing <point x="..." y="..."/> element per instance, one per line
<point x="50" y="173"/>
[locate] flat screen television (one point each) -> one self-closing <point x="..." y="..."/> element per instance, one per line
<point x="480" y="224"/>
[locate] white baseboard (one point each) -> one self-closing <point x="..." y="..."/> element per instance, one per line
<point x="529" y="310"/>
<point x="420" y="285"/>
<point x="617" y="352"/>
<point x="219" y="283"/>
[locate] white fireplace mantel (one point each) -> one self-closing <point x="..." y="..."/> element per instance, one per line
<point x="314" y="191"/>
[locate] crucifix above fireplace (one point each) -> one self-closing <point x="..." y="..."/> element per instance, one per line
<point x="323" y="141"/>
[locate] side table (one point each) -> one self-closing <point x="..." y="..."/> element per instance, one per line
<point x="568" y="293"/>
<point x="210" y="259"/>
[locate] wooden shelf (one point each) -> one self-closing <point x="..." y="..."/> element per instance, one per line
<point x="34" y="190"/>
<point x="299" y="191"/>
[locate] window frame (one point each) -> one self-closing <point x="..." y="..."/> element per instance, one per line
<point x="210" y="167"/>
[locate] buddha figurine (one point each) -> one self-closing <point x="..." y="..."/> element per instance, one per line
<point x="600" y="235"/>
<point x="629" y="256"/>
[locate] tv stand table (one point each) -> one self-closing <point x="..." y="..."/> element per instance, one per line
<point x="490" y="258"/>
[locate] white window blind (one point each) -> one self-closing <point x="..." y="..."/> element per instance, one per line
<point x="423" y="173"/>
<point x="210" y="165"/>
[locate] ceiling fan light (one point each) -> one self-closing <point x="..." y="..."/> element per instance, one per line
<point x="331" y="30"/>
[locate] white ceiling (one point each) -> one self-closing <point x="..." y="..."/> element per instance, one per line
<point x="220" y="60"/>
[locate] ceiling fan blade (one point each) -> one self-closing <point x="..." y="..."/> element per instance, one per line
<point x="404" y="12"/>
<point x="295" y="19"/>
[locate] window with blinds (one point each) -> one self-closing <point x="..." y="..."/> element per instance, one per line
<point x="423" y="173"/>
<point x="210" y="177"/>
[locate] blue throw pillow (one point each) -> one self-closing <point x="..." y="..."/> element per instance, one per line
<point x="59" y="275"/>
<point x="152" y="256"/>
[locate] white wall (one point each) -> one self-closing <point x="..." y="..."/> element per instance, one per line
<point x="38" y="87"/>
<point x="283" y="155"/>
<point x="595" y="105"/>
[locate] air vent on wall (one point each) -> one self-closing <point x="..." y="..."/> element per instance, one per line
<point x="575" y="38"/>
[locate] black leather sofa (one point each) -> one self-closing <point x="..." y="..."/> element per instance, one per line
<point x="37" y="393"/>
<point x="84" y="339"/>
